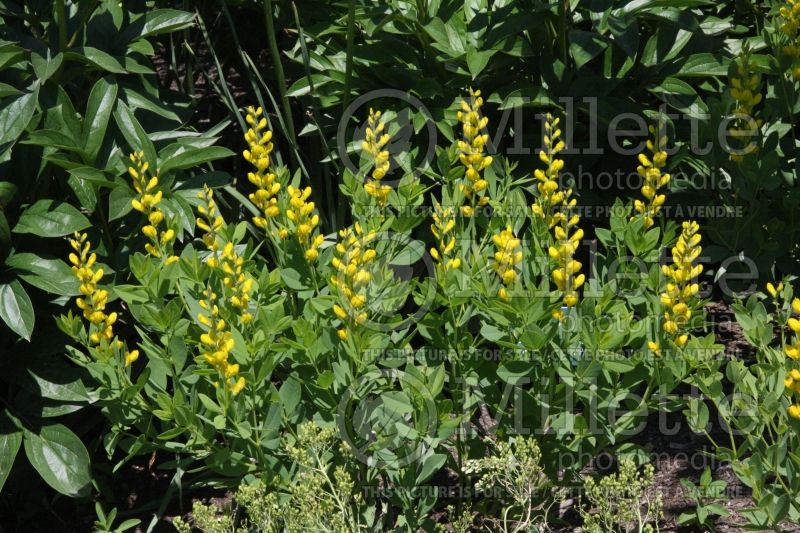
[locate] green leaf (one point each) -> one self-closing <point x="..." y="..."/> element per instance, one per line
<point x="654" y="6"/>
<point x="134" y="133"/>
<point x="10" y="442"/>
<point x="97" y="58"/>
<point x="16" y="309"/>
<point x="48" y="218"/>
<point x="290" y="396"/>
<point x="60" y="458"/>
<point x="166" y="21"/>
<point x="91" y="175"/>
<point x="431" y="465"/>
<point x="98" y="112"/>
<point x="192" y="157"/>
<point x="585" y="46"/>
<point x="48" y="274"/>
<point x="705" y="64"/>
<point x="477" y="60"/>
<point x="7" y="192"/>
<point x="52" y="139"/>
<point x="514" y="371"/>
<point x="5" y="236"/>
<point x="43" y="67"/>
<point x="14" y="117"/>
<point x="48" y="377"/>
<point x="292" y="279"/>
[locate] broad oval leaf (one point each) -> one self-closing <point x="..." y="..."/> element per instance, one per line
<point x="60" y="458"/>
<point x="165" y="21"/>
<point x="10" y="442"/>
<point x="48" y="218"/>
<point x="48" y="274"/>
<point x="14" y="117"/>
<point x="98" y="112"/>
<point x="16" y="309"/>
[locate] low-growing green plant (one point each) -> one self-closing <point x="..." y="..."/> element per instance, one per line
<point x="319" y="498"/>
<point x="105" y="522"/>
<point x="512" y="474"/>
<point x="759" y="415"/>
<point x="623" y="501"/>
<point x="706" y="496"/>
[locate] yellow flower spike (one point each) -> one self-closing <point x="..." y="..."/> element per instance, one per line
<point x="259" y="141"/>
<point x="352" y="259"/>
<point x="236" y="280"/>
<point x="506" y="258"/>
<point x="237" y="387"/>
<point x="217" y="343"/>
<point x="374" y="145"/>
<point x="746" y="93"/>
<point x="551" y="199"/>
<point x="305" y="219"/>
<point x="792" y="350"/>
<point x="678" y="296"/>
<point x="94" y="300"/>
<point x="650" y="170"/>
<point x="471" y="149"/>
<point x="146" y="202"/>
<point x="553" y="204"/>
<point x="442" y="228"/>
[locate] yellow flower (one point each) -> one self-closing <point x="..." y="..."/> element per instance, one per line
<point x="216" y="343"/>
<point x="794" y="411"/>
<point x="443" y="253"/>
<point x="352" y="261"/>
<point x="790" y="28"/>
<point x="93" y="300"/>
<point x="552" y="202"/>
<point x="792" y="349"/>
<point x="374" y="144"/>
<point x="237" y="387"/>
<point x="746" y="93"/>
<point x="237" y="282"/>
<point x="654" y="347"/>
<point x="471" y="148"/>
<point x="773" y="290"/>
<point x="653" y="178"/>
<point x="305" y="219"/>
<point x="506" y="258"/>
<point x="146" y="202"/>
<point x="259" y="142"/>
<point x="679" y="295"/>
<point x="131" y="357"/>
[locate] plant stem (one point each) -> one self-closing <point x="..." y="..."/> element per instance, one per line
<point x="348" y="69"/>
<point x="61" y="15"/>
<point x="281" y="79"/>
<point x="563" y="12"/>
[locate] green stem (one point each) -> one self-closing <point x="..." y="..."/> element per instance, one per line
<point x="281" y="78"/>
<point x="563" y="11"/>
<point x="61" y="16"/>
<point x="348" y="69"/>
